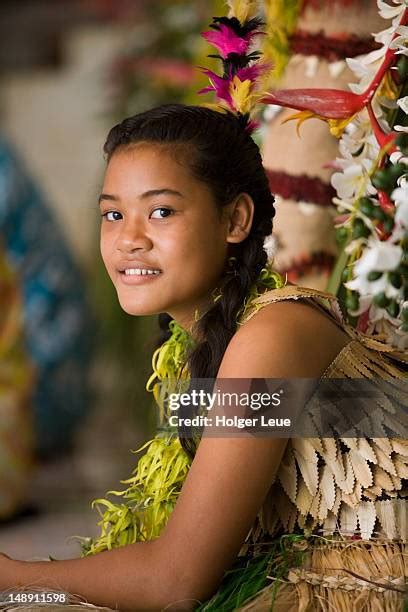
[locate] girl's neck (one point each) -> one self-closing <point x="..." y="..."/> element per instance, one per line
<point x="267" y="279"/>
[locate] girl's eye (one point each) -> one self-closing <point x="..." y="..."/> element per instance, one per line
<point x="167" y="212"/>
<point x="112" y="215"/>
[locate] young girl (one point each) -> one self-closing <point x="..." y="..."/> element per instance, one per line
<point x="185" y="210"/>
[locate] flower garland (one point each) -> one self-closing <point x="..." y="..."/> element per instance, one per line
<point x="320" y="261"/>
<point x="283" y="39"/>
<point x="331" y="48"/>
<point x="300" y="188"/>
<point x="371" y="183"/>
<point x="372" y="191"/>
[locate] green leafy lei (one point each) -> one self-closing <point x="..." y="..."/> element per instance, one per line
<point x="153" y="489"/>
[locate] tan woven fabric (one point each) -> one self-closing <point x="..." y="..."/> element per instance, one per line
<point x="342" y="490"/>
<point x="321" y="485"/>
<point x="343" y="576"/>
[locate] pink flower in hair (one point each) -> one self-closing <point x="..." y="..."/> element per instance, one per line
<point x="251" y="73"/>
<point x="220" y="85"/>
<point x="227" y="41"/>
<point x="252" y="125"/>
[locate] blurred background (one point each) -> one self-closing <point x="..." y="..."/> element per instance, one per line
<point x="73" y="366"/>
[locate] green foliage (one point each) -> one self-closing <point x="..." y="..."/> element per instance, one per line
<point x="248" y="576"/>
<point x="147" y="502"/>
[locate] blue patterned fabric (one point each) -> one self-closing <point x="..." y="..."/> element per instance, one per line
<point x="58" y="325"/>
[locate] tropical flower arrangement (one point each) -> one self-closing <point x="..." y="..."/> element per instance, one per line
<point x="371" y="180"/>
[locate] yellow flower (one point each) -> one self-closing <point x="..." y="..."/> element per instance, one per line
<point x="244" y="98"/>
<point x="336" y="126"/>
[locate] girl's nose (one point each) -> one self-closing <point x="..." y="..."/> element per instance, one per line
<point x="133" y="237"/>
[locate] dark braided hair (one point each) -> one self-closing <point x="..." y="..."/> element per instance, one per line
<point x="219" y="152"/>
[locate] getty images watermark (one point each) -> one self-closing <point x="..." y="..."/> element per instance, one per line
<point x="226" y="400"/>
<point x="310" y="408"/>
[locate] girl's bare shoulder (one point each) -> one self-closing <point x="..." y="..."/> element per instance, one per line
<point x="289" y="338"/>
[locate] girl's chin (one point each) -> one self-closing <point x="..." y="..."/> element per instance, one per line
<point x="138" y="309"/>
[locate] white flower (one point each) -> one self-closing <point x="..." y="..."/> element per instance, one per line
<point x="346" y="183"/>
<point x="379" y="256"/>
<point x="386" y="102"/>
<point x="359" y="150"/>
<point x="400" y="197"/>
<point x="353" y="180"/>
<point x="399" y="43"/>
<point x="358" y="65"/>
<point x="358" y="141"/>
<point x="390" y="330"/>
<point x="399" y="339"/>
<point x="358" y="243"/>
<point x="398" y="158"/>
<point x="364" y="73"/>
<point x="270" y="245"/>
<point x="403" y="103"/>
<point x="387" y="11"/>
<point x="380" y="323"/>
<point x="385" y="36"/>
<point x="362" y="285"/>
<point x="365" y="66"/>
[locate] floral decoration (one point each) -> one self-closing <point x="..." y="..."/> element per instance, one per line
<point x="371" y="178"/>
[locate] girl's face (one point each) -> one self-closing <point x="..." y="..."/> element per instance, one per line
<point x="156" y="216"/>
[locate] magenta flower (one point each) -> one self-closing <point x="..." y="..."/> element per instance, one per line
<point x="227" y="41"/>
<point x="252" y="125"/>
<point x="220" y="85"/>
<point x="251" y="73"/>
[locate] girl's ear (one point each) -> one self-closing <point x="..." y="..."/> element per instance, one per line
<point x="241" y="214"/>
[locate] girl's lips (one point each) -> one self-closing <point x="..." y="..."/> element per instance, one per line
<point x="137" y="279"/>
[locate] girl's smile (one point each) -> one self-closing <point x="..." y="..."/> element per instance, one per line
<point x="163" y="240"/>
<point x="137" y="276"/>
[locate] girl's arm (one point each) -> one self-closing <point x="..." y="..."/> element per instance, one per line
<point x="225" y="487"/>
<point x="224" y="490"/>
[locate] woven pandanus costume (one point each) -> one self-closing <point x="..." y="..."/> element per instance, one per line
<point x="349" y="492"/>
<point x="333" y="528"/>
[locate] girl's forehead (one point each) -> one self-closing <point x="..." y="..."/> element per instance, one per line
<point x="176" y="152"/>
<point x="151" y="161"/>
<point x="146" y="165"/>
<point x="151" y="158"/>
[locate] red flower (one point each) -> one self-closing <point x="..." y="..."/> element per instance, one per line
<point x="338" y="105"/>
<point x="327" y="103"/>
<point x="385" y="202"/>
